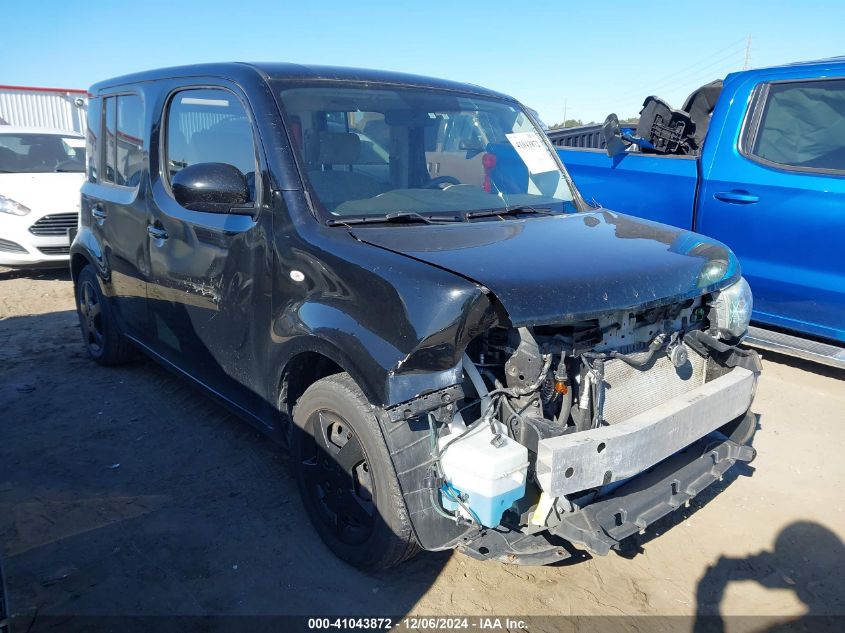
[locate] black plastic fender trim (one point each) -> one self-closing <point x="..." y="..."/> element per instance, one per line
<point x="633" y="506"/>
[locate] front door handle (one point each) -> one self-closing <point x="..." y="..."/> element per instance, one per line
<point x="157" y="232"/>
<point x="737" y="196"/>
<point x="98" y="213"/>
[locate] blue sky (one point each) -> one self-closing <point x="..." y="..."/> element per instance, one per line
<point x="585" y="57"/>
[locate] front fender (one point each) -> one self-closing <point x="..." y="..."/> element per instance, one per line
<point x="391" y="369"/>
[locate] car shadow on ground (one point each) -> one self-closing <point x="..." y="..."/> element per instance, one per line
<point x="46" y="274"/>
<point x="807" y="558"/>
<point x="125" y="491"/>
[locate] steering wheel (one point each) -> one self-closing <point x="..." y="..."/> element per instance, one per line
<point x="435" y="183"/>
<point x="69" y="165"/>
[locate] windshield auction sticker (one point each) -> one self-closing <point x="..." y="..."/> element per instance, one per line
<point x="532" y="151"/>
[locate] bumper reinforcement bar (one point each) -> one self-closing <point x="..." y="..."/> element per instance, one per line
<point x="592" y="459"/>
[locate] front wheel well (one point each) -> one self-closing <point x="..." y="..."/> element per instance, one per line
<point x="302" y="371"/>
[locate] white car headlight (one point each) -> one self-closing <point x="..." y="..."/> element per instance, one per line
<point x="7" y="205"/>
<point x="733" y="307"/>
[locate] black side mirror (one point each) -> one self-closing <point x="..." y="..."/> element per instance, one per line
<point x="213" y="187"/>
<point x="613" y="136"/>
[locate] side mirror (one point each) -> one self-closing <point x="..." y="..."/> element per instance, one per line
<point x="213" y="187"/>
<point x="613" y="136"/>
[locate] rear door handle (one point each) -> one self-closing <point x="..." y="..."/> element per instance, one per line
<point x="157" y="232"/>
<point x="737" y="196"/>
<point x="98" y="213"/>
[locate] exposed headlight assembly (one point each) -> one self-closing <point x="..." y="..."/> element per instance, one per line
<point x="7" y="205"/>
<point x="733" y="307"/>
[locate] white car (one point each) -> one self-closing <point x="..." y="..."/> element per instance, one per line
<point x="41" y="172"/>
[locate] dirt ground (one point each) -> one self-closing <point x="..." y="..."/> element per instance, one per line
<point x="124" y="491"/>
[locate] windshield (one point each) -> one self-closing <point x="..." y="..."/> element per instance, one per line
<point x="376" y="151"/>
<point x="40" y="153"/>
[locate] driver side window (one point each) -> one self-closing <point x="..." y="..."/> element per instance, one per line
<point x="210" y="125"/>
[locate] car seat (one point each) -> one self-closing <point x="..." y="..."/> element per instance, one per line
<point x="334" y="184"/>
<point x="9" y="160"/>
<point x="229" y="141"/>
<point x="46" y="155"/>
<point x="668" y="131"/>
<point x="700" y="105"/>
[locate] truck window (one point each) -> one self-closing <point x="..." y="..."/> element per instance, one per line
<point x="803" y="126"/>
<point x="209" y="125"/>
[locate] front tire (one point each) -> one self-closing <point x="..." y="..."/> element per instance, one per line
<point x="346" y="478"/>
<point x="100" y="332"/>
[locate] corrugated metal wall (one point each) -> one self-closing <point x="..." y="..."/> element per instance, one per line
<point x="43" y="108"/>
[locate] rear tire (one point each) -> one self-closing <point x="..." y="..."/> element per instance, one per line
<point x="100" y="332"/>
<point x="346" y="478"/>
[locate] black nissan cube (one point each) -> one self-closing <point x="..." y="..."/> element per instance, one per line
<point x="395" y="277"/>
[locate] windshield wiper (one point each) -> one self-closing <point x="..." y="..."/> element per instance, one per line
<point x="400" y="217"/>
<point x="514" y="210"/>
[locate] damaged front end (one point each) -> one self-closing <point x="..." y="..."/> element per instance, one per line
<point x="586" y="431"/>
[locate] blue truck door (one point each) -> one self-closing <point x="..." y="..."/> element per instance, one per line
<point x="659" y="188"/>
<point x="774" y="191"/>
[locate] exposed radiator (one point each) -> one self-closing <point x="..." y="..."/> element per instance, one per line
<point x="630" y="391"/>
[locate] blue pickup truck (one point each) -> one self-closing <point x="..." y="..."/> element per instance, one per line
<point x="756" y="161"/>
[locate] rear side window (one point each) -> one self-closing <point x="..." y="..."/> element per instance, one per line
<point x="209" y="125"/>
<point x="124" y="148"/>
<point x="803" y="126"/>
<point x="130" y="140"/>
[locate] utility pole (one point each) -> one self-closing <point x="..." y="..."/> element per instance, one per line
<point x="747" y="53"/>
<point x="564" y="111"/>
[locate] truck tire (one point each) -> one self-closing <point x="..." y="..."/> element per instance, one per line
<point x="346" y="478"/>
<point x="100" y="332"/>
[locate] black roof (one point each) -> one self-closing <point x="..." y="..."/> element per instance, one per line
<point x="295" y="72"/>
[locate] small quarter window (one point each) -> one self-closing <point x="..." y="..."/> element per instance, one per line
<point x="92" y="137"/>
<point x="111" y="130"/>
<point x="803" y="126"/>
<point x="209" y="125"/>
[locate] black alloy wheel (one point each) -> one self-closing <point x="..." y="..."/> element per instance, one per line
<point x="101" y="334"/>
<point x="91" y="317"/>
<point x="337" y="476"/>
<point x="346" y="476"/>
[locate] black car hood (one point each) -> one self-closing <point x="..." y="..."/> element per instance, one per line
<point x="564" y="267"/>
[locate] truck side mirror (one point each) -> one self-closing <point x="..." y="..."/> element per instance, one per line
<point x="212" y="187"/>
<point x="613" y="136"/>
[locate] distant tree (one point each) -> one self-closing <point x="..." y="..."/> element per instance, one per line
<point x="631" y="120"/>
<point x="568" y="123"/>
